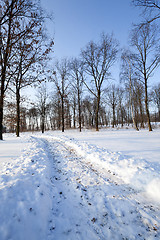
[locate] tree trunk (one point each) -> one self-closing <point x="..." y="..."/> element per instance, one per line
<point x="74" y="114"/>
<point x="62" y="114"/>
<point x="42" y="124"/>
<point x="114" y="118"/>
<point x="141" y="113"/>
<point x="97" y="110"/>
<point x="43" y="117"/>
<point x="131" y="100"/>
<point x="146" y="105"/>
<point x="18" y="111"/>
<point x="3" y="73"/>
<point x="1" y="109"/>
<point x="1" y="118"/>
<point x="122" y="116"/>
<point x="79" y="111"/>
<point x="1" y="97"/>
<point x="59" y="115"/>
<point x="147" y="109"/>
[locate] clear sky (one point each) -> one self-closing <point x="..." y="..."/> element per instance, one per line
<point x="76" y="22"/>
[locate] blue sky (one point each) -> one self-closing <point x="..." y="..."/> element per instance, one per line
<point x="76" y="22"/>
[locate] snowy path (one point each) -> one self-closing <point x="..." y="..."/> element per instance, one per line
<point x="54" y="191"/>
<point x="88" y="204"/>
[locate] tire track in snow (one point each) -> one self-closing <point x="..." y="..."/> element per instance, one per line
<point x="107" y="207"/>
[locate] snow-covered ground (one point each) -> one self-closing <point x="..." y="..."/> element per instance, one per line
<point x="91" y="185"/>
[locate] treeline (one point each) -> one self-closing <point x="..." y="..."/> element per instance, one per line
<point x="115" y="110"/>
<point x="84" y="94"/>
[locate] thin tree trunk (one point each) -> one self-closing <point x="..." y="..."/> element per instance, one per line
<point x="141" y="114"/>
<point x="43" y="124"/>
<point x="59" y="115"/>
<point x="114" y="118"/>
<point x="146" y="105"/>
<point x="122" y="117"/>
<point x="18" y="111"/>
<point x="133" y="119"/>
<point x="79" y="111"/>
<point x="97" y="110"/>
<point x="74" y="114"/>
<point x="130" y="94"/>
<point x="62" y="114"/>
<point x="43" y="119"/>
<point x="1" y="109"/>
<point x="147" y="110"/>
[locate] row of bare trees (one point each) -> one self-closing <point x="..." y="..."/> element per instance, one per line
<point x="23" y="49"/>
<point x="115" y="110"/>
<point x="84" y="93"/>
<point x="93" y="70"/>
<point x="90" y="74"/>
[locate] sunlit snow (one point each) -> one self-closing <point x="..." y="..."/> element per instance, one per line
<point x="89" y="185"/>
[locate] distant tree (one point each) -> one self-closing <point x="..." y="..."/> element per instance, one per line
<point x="145" y="41"/>
<point x="33" y="116"/>
<point x="23" y="119"/>
<point x="155" y="94"/>
<point x="98" y="59"/>
<point x="112" y="100"/>
<point x="42" y="100"/>
<point x="54" y="111"/>
<point x="128" y="75"/>
<point x="68" y="118"/>
<point x="10" y="115"/>
<point x="120" y="106"/>
<point x="74" y="107"/>
<point x="57" y="113"/>
<point x="139" y="99"/>
<point x="102" y="116"/>
<point x="61" y="82"/>
<point x="88" y="112"/>
<point x="76" y="74"/>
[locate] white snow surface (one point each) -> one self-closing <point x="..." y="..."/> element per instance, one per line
<point x="91" y="185"/>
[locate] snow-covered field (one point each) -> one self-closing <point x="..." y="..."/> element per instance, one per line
<point x="91" y="185"/>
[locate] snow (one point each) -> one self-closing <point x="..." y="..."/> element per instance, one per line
<point x="89" y="185"/>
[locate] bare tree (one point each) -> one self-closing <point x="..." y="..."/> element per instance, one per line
<point x="13" y="15"/>
<point x="155" y="94"/>
<point x="151" y="7"/>
<point x="88" y="112"/>
<point x="128" y="75"/>
<point x="98" y="59"/>
<point x="144" y="40"/>
<point x="77" y="76"/>
<point x="62" y="84"/>
<point x="139" y="97"/>
<point x="112" y="100"/>
<point x="121" y="108"/>
<point x="33" y="116"/>
<point x="29" y="65"/>
<point x="10" y="116"/>
<point x="73" y="97"/>
<point x="42" y="98"/>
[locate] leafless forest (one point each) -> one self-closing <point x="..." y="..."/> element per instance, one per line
<point x="80" y="92"/>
